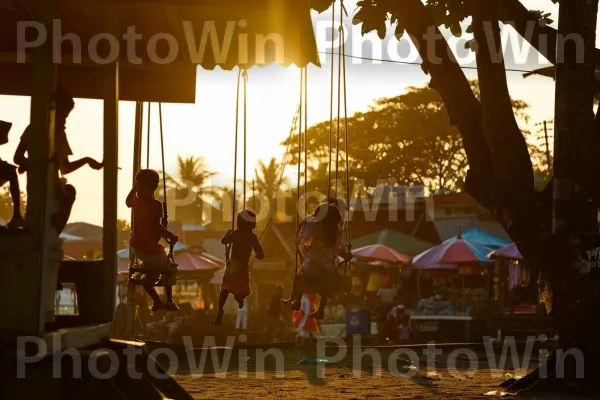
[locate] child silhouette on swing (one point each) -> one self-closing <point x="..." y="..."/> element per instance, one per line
<point x="323" y="239"/>
<point x="236" y="279"/>
<point x="147" y="231"/>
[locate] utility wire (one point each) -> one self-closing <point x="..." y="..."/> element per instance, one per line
<point x="415" y="63"/>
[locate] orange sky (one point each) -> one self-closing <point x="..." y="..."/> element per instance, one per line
<point x="207" y="127"/>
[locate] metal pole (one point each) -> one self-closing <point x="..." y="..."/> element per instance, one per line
<point x="137" y="160"/>
<point x="547" y="145"/>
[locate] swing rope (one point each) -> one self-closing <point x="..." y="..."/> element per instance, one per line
<point x="242" y="74"/>
<point x="348" y="223"/>
<point x="331" y="102"/>
<point x="339" y="95"/>
<point x="245" y="76"/>
<point x="298" y="183"/>
<point x="165" y="218"/>
<point x="305" y="140"/>
<point x="148" y="139"/>
<point x="235" y="150"/>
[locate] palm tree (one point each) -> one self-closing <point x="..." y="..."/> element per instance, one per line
<point x="269" y="178"/>
<point x="194" y="174"/>
<point x="193" y="183"/>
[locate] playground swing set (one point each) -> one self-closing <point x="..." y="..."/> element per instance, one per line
<point x="33" y="260"/>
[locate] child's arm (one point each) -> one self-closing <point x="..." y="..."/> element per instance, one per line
<point x="19" y="157"/>
<point x="131" y="196"/>
<point x="66" y="166"/>
<point x="228" y="238"/>
<point x="258" y="250"/>
<point x="164" y="232"/>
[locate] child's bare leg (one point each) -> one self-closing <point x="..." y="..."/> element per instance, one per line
<point x="222" y="300"/>
<point x="158" y="303"/>
<point x="169" y="293"/>
<point x="320" y="313"/>
<point x="171" y="306"/>
<point x="240" y="301"/>
<point x="66" y="199"/>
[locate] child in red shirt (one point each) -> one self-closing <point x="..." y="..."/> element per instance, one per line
<point x="147" y="232"/>
<point x="236" y="279"/>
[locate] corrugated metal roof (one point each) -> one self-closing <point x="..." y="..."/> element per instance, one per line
<point x="246" y="33"/>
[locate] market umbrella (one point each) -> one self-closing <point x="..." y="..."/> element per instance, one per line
<point x="510" y="252"/>
<point x="379" y="252"/>
<point x="401" y="242"/>
<point x="482" y="237"/>
<point x="450" y="254"/>
<point x="190" y="262"/>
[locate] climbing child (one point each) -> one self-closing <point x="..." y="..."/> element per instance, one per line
<point x="8" y="173"/>
<point x="65" y="193"/>
<point x="236" y="279"/>
<point x="147" y="231"/>
<point x="323" y="239"/>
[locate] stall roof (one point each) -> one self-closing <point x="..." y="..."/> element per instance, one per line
<point x="208" y="33"/>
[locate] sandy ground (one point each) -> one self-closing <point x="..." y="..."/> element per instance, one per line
<point x="302" y="381"/>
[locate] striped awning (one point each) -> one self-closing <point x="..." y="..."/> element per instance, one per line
<point x="174" y="37"/>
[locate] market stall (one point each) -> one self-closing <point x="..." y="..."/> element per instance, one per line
<point x="453" y="285"/>
<point x="520" y="312"/>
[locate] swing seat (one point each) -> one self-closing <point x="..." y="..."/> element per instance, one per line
<point x="141" y="276"/>
<point x="326" y="285"/>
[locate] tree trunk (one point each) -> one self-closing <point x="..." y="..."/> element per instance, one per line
<point x="448" y="79"/>
<point x="512" y="163"/>
<point x="571" y="295"/>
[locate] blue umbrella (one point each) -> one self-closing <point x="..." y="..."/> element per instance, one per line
<point x="484" y="238"/>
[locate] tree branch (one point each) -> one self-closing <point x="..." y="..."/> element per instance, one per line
<point x="510" y="156"/>
<point x="448" y="79"/>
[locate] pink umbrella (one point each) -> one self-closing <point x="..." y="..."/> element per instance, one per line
<point x="380" y="252"/>
<point x="185" y="262"/>
<point x="510" y="252"/>
<point x="190" y="262"/>
<point x="451" y="253"/>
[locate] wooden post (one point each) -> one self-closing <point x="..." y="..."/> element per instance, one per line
<point x="40" y="285"/>
<point x="111" y="157"/>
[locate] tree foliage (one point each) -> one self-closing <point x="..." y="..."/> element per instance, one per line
<point x="191" y="188"/>
<point x="406" y="139"/>
<point x="6" y="204"/>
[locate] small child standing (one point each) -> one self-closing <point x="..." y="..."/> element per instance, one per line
<point x="147" y="231"/>
<point x="8" y="173"/>
<point x="236" y="279"/>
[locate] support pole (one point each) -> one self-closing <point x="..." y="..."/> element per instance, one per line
<point x="111" y="156"/>
<point x="40" y="285"/>
<point x="137" y="161"/>
<point x="547" y="145"/>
